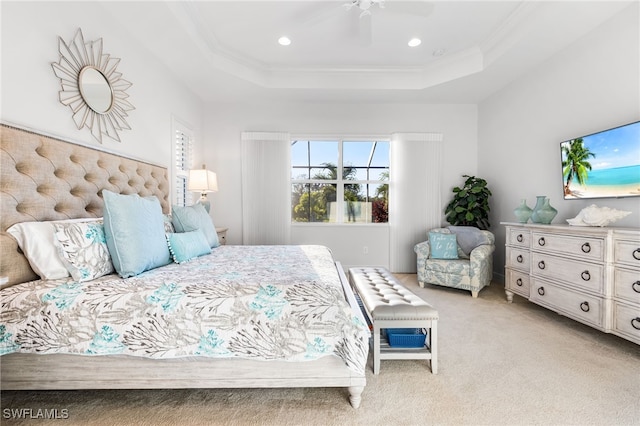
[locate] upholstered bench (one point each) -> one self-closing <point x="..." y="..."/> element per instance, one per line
<point x="389" y="304"/>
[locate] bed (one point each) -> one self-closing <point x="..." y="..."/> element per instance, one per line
<point x="240" y="316"/>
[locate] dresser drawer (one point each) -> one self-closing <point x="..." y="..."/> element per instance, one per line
<point x="626" y="284"/>
<point x="580" y="306"/>
<point x="626" y="321"/>
<point x="627" y="253"/>
<point x="581" y="275"/>
<point x="519" y="237"/>
<point x="518" y="282"/>
<point x="580" y="248"/>
<point x="518" y="259"/>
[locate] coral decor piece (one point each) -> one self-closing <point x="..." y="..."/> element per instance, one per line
<point x="597" y="216"/>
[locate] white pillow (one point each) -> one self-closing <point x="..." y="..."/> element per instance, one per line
<point x="36" y="240"/>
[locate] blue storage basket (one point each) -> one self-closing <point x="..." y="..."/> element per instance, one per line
<point x="406" y="337"/>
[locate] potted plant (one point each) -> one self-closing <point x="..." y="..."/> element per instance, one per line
<point x="470" y="204"/>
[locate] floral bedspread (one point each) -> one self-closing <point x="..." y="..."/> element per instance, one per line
<point x="258" y="302"/>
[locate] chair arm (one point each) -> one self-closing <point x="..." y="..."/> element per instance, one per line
<point x="481" y="260"/>
<point x="482" y="252"/>
<point x="422" y="249"/>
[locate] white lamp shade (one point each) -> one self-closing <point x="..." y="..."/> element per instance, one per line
<point x="202" y="180"/>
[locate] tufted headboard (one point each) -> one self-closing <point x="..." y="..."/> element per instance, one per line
<point x="43" y="178"/>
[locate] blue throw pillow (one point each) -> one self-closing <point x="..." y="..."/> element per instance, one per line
<point x="443" y="246"/>
<point x="134" y="231"/>
<point x="191" y="218"/>
<point x="187" y="246"/>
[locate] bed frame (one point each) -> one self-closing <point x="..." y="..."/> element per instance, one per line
<point x="44" y="178"/>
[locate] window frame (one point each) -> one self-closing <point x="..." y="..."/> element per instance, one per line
<point x="340" y="182"/>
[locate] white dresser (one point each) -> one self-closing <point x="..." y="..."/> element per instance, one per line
<point x="588" y="274"/>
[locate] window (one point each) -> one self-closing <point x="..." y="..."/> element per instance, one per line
<point x="183" y="153"/>
<point x="340" y="181"/>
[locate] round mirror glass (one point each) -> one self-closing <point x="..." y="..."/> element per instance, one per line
<point x="95" y="90"/>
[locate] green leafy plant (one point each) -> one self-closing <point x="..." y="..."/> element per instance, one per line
<point x="470" y="204"/>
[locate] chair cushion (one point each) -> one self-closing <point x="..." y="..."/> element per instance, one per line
<point x="446" y="266"/>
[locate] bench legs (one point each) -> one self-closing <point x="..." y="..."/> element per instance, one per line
<point x="376" y="349"/>
<point x="433" y="344"/>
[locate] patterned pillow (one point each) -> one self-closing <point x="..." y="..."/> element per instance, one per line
<point x="168" y="225"/>
<point x="83" y="249"/>
<point x="187" y="246"/>
<point x="443" y="246"/>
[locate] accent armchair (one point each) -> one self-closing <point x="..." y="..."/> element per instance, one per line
<point x="458" y="257"/>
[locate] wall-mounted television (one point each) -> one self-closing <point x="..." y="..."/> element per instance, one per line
<point x="602" y="165"/>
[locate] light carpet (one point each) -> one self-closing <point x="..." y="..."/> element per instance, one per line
<point x="499" y="364"/>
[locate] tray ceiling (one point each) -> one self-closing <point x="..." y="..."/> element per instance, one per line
<point x="229" y="51"/>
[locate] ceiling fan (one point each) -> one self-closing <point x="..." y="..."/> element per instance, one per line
<point x="363" y="27"/>
<point x="364" y="5"/>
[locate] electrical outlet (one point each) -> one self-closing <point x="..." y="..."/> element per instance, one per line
<point x="365" y="250"/>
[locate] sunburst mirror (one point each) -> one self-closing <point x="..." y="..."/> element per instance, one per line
<point x="92" y="87"/>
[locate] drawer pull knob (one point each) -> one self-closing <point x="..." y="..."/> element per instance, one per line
<point x="636" y="254"/>
<point x="541" y="264"/>
<point x="519" y="282"/>
<point x="586" y="248"/>
<point x="519" y="259"/>
<point x="586" y="276"/>
<point x="636" y="286"/>
<point x="541" y="291"/>
<point x="584" y="306"/>
<point x="635" y="323"/>
<point x="520" y="238"/>
<point x="541" y="241"/>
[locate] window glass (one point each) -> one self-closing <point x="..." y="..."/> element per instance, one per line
<point x="357" y="172"/>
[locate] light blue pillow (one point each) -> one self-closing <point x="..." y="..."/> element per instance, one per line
<point x="134" y="230"/>
<point x="187" y="246"/>
<point x="191" y="218"/>
<point x="443" y="246"/>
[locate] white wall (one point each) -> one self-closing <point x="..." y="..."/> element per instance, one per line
<point x="224" y="123"/>
<point x="592" y="85"/>
<point x="30" y="32"/>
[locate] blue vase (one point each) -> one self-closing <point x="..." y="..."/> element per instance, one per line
<point x="546" y="213"/>
<point x="523" y="212"/>
<point x="539" y="203"/>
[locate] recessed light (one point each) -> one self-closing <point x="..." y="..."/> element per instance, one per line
<point x="284" y="41"/>
<point x="414" y="42"/>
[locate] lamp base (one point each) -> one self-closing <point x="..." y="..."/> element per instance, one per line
<point x="205" y="202"/>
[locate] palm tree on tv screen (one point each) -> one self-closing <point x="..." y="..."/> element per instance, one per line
<point x="575" y="163"/>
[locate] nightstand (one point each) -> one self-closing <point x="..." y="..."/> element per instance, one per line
<point x="222" y="235"/>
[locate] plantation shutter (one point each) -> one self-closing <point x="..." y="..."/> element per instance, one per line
<point x="183" y="149"/>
